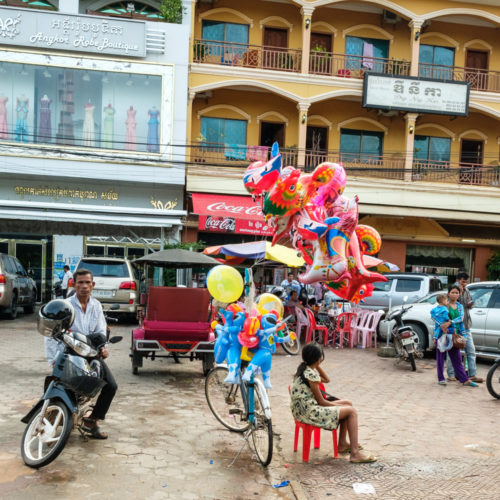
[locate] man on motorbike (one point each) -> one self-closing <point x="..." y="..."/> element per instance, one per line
<point x="90" y="321"/>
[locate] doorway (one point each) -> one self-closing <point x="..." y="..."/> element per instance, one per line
<point x="271" y="132"/>
<point x="476" y="69"/>
<point x="471" y="157"/>
<point x="274" y="53"/>
<point x="316" y="145"/>
<point x="32" y="255"/>
<point x="320" y="61"/>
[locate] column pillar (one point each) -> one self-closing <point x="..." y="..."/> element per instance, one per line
<point x="415" y="29"/>
<point x="303" y="108"/>
<point x="410" y="119"/>
<point x="189" y="125"/>
<point x="306" y="36"/>
<point x="192" y="13"/>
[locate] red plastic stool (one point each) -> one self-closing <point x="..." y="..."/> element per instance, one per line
<point x="307" y="431"/>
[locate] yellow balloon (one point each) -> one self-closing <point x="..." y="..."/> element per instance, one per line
<point x="225" y="283"/>
<point x="269" y="302"/>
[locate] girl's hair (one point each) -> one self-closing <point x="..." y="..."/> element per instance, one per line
<point x="454" y="287"/>
<point x="310" y="354"/>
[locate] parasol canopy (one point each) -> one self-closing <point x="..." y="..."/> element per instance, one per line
<point x="258" y="250"/>
<point x="381" y="266"/>
<point x="178" y="258"/>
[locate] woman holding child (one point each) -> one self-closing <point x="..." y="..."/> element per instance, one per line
<point x="448" y="316"/>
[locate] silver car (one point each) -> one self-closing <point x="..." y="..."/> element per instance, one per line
<point x="485" y="316"/>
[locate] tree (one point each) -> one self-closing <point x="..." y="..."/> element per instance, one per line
<point x="172" y="11"/>
<point x="493" y="266"/>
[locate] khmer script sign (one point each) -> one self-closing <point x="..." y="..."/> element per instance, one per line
<point x="415" y="94"/>
<point x="80" y="33"/>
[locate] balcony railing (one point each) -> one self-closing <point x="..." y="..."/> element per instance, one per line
<point x="479" y="79"/>
<point x="350" y="66"/>
<point x="249" y="56"/>
<point x="356" y="164"/>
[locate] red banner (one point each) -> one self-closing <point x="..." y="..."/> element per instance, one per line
<point x="230" y="214"/>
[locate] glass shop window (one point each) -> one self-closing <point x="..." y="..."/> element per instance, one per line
<point x="436" y="62"/>
<point x="73" y="107"/>
<point x="366" y="53"/>
<point x="361" y="145"/>
<point x="230" y="135"/>
<point x="432" y="149"/>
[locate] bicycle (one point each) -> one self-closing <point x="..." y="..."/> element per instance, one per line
<point x="493" y="379"/>
<point x="242" y="408"/>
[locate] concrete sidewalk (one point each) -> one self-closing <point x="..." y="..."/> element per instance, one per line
<point x="432" y="441"/>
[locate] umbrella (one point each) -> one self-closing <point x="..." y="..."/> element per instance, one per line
<point x="258" y="250"/>
<point x="381" y="266"/>
<point x="176" y="257"/>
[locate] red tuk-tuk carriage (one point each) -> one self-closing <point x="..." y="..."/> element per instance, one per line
<point x="174" y="321"/>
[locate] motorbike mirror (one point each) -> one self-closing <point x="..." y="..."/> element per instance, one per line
<point x="115" y="339"/>
<point x="114" y="307"/>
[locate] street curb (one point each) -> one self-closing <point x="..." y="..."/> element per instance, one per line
<point x="298" y="490"/>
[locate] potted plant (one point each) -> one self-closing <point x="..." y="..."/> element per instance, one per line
<point x="320" y="59"/>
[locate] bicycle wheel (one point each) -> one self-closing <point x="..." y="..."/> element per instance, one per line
<point x="493" y="380"/>
<point x="292" y="347"/>
<point x="262" y="431"/>
<point x="225" y="400"/>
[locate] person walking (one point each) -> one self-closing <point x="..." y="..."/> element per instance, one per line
<point x="470" y="350"/>
<point x="65" y="281"/>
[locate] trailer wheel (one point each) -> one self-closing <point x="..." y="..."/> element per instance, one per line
<point x="136" y="362"/>
<point x="208" y="362"/>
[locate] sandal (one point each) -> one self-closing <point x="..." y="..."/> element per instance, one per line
<point x="348" y="450"/>
<point x="93" y="430"/>
<point x="367" y="460"/>
<point x="442" y="382"/>
<point x="469" y="383"/>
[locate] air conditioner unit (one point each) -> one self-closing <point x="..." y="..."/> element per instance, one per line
<point x="390" y="17"/>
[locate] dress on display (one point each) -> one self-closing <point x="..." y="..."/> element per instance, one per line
<point x="88" y="133"/>
<point x="21" y="122"/>
<point x="108" y="127"/>
<point x="131" y="135"/>
<point x="153" y="125"/>
<point x="3" y="118"/>
<point x="44" y="126"/>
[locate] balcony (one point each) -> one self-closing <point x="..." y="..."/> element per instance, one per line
<point x="479" y="79"/>
<point x="390" y="167"/>
<point x="350" y="66"/>
<point x="248" y="56"/>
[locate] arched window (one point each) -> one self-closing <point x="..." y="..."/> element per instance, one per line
<point x="124" y="9"/>
<point x="34" y="4"/>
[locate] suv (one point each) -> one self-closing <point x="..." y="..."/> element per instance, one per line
<point x="116" y="282"/>
<point x="16" y="287"/>
<point x="400" y="285"/>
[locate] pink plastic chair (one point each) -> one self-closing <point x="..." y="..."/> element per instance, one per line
<point x="302" y="321"/>
<point x="313" y="327"/>
<point x="361" y="320"/>
<point x="368" y="332"/>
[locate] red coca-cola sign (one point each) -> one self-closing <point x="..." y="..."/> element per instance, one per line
<point x="237" y="210"/>
<point x="239" y="207"/>
<point x="220" y="224"/>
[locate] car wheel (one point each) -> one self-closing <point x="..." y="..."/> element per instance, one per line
<point x="420" y="337"/>
<point x="30" y="308"/>
<point x="12" y="310"/>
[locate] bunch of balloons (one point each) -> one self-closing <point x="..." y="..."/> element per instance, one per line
<point x="321" y="223"/>
<point x="248" y="335"/>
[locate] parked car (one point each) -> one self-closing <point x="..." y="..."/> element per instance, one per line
<point x="414" y="286"/>
<point x="116" y="282"/>
<point x="485" y="316"/>
<point x="17" y="289"/>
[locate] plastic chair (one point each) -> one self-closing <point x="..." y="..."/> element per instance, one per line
<point x="313" y="328"/>
<point x="307" y="432"/>
<point x="368" y="331"/>
<point x="302" y="320"/>
<point x="345" y="327"/>
<point x="362" y="317"/>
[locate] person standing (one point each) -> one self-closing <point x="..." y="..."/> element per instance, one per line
<point x="65" y="281"/>
<point x="90" y="321"/>
<point x="470" y="350"/>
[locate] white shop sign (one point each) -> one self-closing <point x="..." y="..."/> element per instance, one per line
<point x="81" y="33"/>
<point x="419" y="95"/>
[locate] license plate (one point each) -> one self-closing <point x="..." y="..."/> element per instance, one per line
<point x="407" y="341"/>
<point x="103" y="294"/>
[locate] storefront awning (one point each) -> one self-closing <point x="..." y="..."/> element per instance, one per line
<point x="230" y="214"/>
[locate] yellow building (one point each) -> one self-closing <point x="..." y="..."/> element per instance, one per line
<point x="293" y="71"/>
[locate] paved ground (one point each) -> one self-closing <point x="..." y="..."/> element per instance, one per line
<point x="433" y="442"/>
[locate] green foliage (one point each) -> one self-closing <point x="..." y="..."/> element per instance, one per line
<point x="169" y="274"/>
<point x="172" y="11"/>
<point x="493" y="266"/>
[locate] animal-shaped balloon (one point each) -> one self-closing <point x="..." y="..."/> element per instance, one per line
<point x="261" y="176"/>
<point x="268" y="337"/>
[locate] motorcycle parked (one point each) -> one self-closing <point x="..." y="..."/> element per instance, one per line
<point x="403" y="338"/>
<point x="70" y="391"/>
<point x="493" y="379"/>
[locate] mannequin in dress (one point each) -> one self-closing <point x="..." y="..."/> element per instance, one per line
<point x="153" y="126"/>
<point x="88" y="133"/>
<point x="108" y="127"/>
<point x="22" y="106"/>
<point x="131" y="135"/>
<point x="44" y="125"/>
<point x="3" y="117"/>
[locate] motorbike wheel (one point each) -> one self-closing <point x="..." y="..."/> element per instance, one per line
<point x="411" y="359"/>
<point x="43" y="441"/>
<point x="493" y="380"/>
<point x="292" y="347"/>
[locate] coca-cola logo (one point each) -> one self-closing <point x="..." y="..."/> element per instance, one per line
<point x="220" y="224"/>
<point x="221" y="206"/>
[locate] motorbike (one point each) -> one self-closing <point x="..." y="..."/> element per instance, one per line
<point x="57" y="291"/>
<point x="69" y="395"/>
<point x="403" y="338"/>
<point x="493" y="379"/>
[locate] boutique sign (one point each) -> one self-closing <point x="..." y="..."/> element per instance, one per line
<point x="81" y="33"/>
<point x="419" y="95"/>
